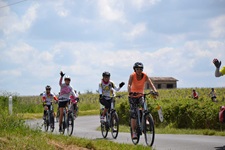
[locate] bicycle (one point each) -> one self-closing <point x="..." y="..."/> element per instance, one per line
<point x="68" y="120"/>
<point x="76" y="108"/>
<point x="49" y="119"/>
<point x="112" y="120"/>
<point x="144" y="120"/>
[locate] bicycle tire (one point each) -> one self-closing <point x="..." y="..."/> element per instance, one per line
<point x="104" y="127"/>
<point x="136" y="140"/>
<point x="52" y="122"/>
<point x="149" y="129"/>
<point x="46" y="121"/>
<point x="45" y="125"/>
<point x="70" y="123"/>
<point x="114" y="125"/>
<point x="64" y="123"/>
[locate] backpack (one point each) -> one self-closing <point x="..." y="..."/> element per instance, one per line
<point x="222" y="114"/>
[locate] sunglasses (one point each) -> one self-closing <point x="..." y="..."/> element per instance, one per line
<point x="139" y="69"/>
<point x="48" y="89"/>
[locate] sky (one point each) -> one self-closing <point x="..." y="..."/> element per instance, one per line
<point x="83" y="38"/>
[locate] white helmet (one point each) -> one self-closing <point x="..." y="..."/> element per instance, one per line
<point x="67" y="77"/>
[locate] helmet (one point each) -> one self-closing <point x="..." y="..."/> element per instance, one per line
<point x="106" y="74"/>
<point x="138" y="65"/>
<point x="48" y="87"/>
<point x="67" y="77"/>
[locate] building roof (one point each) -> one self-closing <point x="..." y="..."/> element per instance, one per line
<point x="163" y="79"/>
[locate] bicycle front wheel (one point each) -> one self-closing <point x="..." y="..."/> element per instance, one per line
<point x="114" y="125"/>
<point x="45" y="125"/>
<point x="135" y="140"/>
<point x="52" y="122"/>
<point x="70" y="123"/>
<point x="104" y="126"/>
<point x="149" y="129"/>
<point x="46" y="121"/>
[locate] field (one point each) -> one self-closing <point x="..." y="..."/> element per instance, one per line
<point x="182" y="115"/>
<point x="180" y="110"/>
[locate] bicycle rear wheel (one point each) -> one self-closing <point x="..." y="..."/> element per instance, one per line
<point x="135" y="140"/>
<point x="149" y="129"/>
<point x="114" y="125"/>
<point x="70" y="124"/>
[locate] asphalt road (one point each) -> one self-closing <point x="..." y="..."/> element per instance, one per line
<point x="85" y="127"/>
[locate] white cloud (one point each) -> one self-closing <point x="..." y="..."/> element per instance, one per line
<point x="13" y="23"/>
<point x="140" y="4"/>
<point x="111" y="10"/>
<point x="218" y="27"/>
<point x="60" y="8"/>
<point x="13" y="73"/>
<point x="136" y="31"/>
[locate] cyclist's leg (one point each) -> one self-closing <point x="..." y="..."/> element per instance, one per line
<point x="141" y="102"/>
<point x="132" y="115"/>
<point x="62" y="105"/>
<point x="107" y="105"/>
<point x="45" y="111"/>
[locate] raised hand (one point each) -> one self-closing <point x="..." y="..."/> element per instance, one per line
<point x="61" y="74"/>
<point x="217" y="63"/>
<point x="121" y="84"/>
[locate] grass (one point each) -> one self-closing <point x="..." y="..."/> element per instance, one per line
<point x="168" y="130"/>
<point x="15" y="135"/>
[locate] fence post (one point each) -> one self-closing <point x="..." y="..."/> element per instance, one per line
<point x="10" y="104"/>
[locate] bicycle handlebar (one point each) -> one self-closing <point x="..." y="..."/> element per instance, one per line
<point x="117" y="96"/>
<point x="138" y="94"/>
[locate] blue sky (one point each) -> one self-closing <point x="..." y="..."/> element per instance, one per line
<point x="83" y="38"/>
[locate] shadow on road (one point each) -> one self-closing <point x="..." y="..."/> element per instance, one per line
<point x="220" y="148"/>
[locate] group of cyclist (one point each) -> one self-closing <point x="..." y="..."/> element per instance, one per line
<point x="136" y="84"/>
<point x="67" y="94"/>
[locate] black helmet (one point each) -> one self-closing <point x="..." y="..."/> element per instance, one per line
<point x="48" y="87"/>
<point x="138" y="65"/>
<point x="106" y="74"/>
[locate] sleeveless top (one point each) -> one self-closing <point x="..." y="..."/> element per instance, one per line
<point x="138" y="85"/>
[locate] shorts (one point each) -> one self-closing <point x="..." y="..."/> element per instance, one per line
<point x="63" y="104"/>
<point x="106" y="103"/>
<point x="134" y="103"/>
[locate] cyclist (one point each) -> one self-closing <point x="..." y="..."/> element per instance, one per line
<point x="136" y="84"/>
<point x="47" y="97"/>
<point x="194" y="94"/>
<point x="213" y="95"/>
<point x="218" y="72"/>
<point x="74" y="101"/>
<point x="65" y="91"/>
<point x="105" y="88"/>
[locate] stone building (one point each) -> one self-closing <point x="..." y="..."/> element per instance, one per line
<point x="163" y="83"/>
